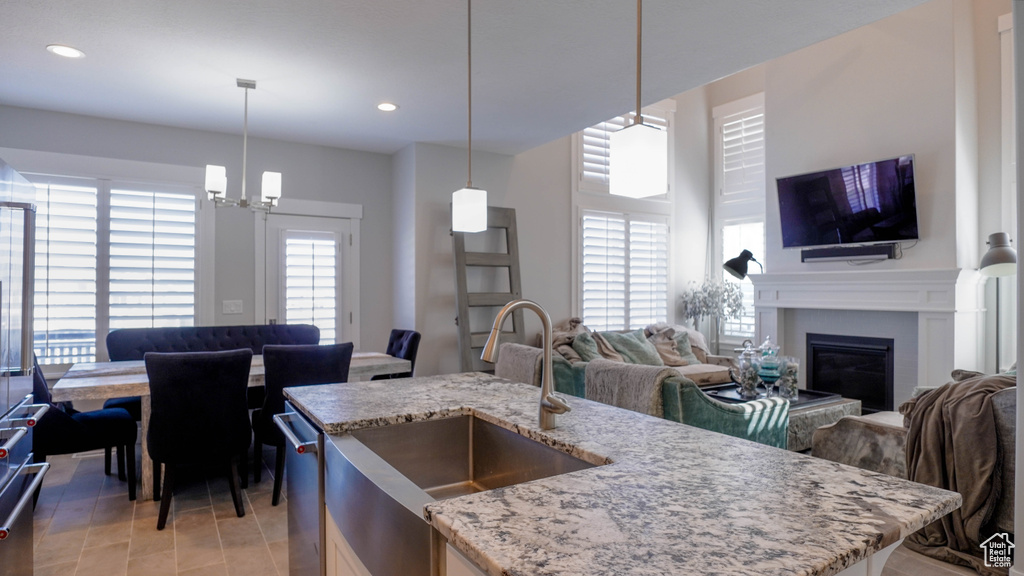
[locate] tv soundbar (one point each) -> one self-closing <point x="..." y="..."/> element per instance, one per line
<point x="873" y="252"/>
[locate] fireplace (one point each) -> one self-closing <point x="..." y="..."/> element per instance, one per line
<point x="853" y="366"/>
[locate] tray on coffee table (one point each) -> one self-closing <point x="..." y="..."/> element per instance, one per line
<point x="731" y="393"/>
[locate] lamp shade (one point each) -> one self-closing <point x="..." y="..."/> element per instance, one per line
<point x="469" y="210"/>
<point x="216" y="181"/>
<point x="270" y="191"/>
<point x="638" y="161"/>
<point x="738" y="266"/>
<point x="1001" y="259"/>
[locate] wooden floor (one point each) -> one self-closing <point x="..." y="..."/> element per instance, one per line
<point x="85" y="525"/>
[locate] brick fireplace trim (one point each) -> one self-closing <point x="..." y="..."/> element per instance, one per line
<point x="949" y="304"/>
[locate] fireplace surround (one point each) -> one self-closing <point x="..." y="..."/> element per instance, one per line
<point x="944" y="308"/>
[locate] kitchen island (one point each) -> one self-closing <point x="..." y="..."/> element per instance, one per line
<point x="665" y="498"/>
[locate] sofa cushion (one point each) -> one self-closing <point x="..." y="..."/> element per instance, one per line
<point x="666" y="347"/>
<point x="685" y="350"/>
<point x="705" y="374"/>
<point x="634" y="347"/>
<point x="584" y="345"/>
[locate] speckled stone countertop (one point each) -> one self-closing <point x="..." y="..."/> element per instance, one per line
<point x="671" y="499"/>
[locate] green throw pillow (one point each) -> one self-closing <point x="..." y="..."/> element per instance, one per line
<point x="634" y="347"/>
<point x="585" y="346"/>
<point x="685" y="350"/>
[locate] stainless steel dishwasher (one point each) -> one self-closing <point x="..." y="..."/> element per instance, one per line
<point x="304" y="489"/>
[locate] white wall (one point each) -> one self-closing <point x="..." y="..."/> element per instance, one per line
<point x="310" y="172"/>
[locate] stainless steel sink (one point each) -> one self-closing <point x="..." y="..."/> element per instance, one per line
<point x="463" y="455"/>
<point x="377" y="480"/>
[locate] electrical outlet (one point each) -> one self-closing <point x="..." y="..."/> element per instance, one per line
<point x="232" y="307"/>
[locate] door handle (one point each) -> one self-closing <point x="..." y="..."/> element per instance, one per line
<point x="39" y="470"/>
<point x="33" y="419"/>
<point x="281" y="421"/>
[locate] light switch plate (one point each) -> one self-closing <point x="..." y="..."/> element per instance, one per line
<point x="232" y="307"/>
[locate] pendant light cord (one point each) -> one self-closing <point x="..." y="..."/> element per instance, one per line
<point x="245" y="139"/>
<point x="469" y="89"/>
<point x="638" y="118"/>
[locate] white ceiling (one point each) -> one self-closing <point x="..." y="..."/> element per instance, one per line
<point x="541" y="68"/>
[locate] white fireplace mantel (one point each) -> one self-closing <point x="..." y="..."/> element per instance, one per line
<point x="949" y="306"/>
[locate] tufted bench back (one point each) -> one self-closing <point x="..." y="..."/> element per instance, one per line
<point x="133" y="343"/>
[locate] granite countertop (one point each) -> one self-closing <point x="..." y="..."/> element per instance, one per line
<point x="670" y="499"/>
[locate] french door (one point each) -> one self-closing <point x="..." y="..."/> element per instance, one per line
<point x="305" y="279"/>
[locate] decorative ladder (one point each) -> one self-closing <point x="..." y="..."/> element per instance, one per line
<point x="469" y="341"/>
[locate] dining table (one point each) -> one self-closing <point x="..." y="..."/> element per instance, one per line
<point x="102" y="380"/>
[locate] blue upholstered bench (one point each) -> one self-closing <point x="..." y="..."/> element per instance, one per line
<point x="133" y="343"/>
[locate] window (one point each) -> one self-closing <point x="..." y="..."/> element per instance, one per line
<point x="740" y="196"/>
<point x="622" y="244"/>
<point x="310" y="285"/>
<point x="625" y="271"/>
<point x="110" y="256"/>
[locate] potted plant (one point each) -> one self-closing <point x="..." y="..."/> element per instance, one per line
<point x="714" y="300"/>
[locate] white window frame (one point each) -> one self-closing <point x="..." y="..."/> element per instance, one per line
<point x="596" y="198"/>
<point x="744" y="207"/>
<point x="350" y="256"/>
<point x="108" y="172"/>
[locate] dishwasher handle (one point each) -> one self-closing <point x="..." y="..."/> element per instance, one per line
<point x="19" y="433"/>
<point x="39" y="470"/>
<point x="282" y="422"/>
<point x="33" y="419"/>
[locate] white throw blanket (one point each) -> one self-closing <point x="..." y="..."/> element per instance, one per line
<point x="519" y="363"/>
<point x="631" y="386"/>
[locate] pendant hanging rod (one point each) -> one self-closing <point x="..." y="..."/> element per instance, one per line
<point x="245" y="139"/>
<point x="638" y="118"/>
<point x="469" y="89"/>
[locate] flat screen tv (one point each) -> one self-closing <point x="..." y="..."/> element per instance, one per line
<point x="859" y="204"/>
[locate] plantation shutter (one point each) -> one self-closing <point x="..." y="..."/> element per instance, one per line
<point x="65" y="273"/>
<point x="595" y="149"/>
<point x="625" y="271"/>
<point x="152" y="259"/>
<point x="648" y="273"/>
<point x="604" y="270"/>
<point x="310" y="282"/>
<point x="743" y="153"/>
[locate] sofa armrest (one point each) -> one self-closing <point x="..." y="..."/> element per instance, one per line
<point x="727" y="361"/>
<point x="765" y="421"/>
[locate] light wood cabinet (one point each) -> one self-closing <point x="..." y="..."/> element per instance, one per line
<point x="341" y="559"/>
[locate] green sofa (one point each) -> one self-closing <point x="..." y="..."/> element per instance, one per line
<point x="762" y="421"/>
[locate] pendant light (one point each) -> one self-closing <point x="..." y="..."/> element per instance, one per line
<point x="469" y="205"/>
<point x="638" y="161"/>
<point x="216" y="176"/>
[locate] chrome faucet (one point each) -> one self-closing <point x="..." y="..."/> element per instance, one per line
<point x="549" y="403"/>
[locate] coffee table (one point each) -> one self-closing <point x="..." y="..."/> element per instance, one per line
<point x="812" y="410"/>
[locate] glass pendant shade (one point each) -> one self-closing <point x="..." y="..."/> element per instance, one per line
<point x="271" y="189"/>
<point x="216" y="181"/>
<point x="469" y="210"/>
<point x="1001" y="259"/>
<point x="638" y="162"/>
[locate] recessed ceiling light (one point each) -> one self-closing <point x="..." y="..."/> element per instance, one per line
<point x="65" y="51"/>
<point x="387" y="107"/>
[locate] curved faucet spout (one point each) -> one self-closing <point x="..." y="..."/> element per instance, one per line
<point x="550" y="404"/>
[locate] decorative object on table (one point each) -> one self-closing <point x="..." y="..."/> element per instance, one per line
<point x="788" y="379"/>
<point x="769" y="366"/>
<point x="747" y="376"/>
<point x="469" y="204"/>
<point x="216" y="176"/>
<point x="1000" y="260"/>
<point x="738" y="266"/>
<point x="715" y="301"/>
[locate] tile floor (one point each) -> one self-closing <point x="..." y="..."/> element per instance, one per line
<point x="85" y="525"/>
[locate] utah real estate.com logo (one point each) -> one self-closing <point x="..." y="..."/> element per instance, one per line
<point x="998" y="551"/>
